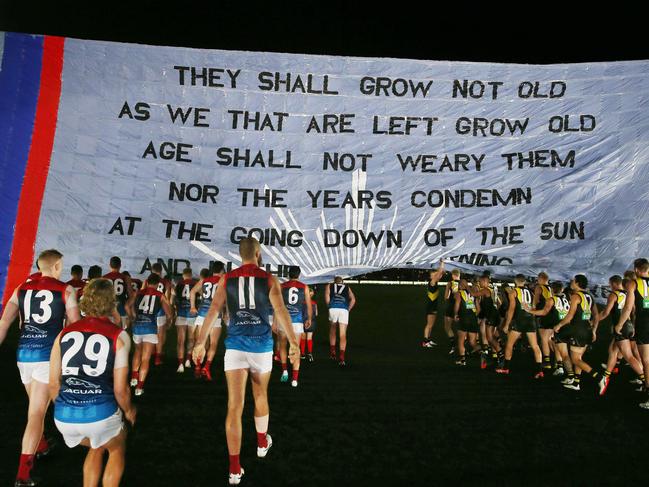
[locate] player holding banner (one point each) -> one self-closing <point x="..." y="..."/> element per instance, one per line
<point x="43" y="304"/>
<point x="89" y="384"/>
<point x="248" y="292"/>
<point x="298" y="302"/>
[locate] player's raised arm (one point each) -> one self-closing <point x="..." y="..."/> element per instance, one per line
<point x="284" y="318"/>
<point x="437" y="275"/>
<point x="9" y="314"/>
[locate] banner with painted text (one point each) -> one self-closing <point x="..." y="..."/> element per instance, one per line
<point x="339" y="165"/>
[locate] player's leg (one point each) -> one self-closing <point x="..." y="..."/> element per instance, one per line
<point x="309" y="345"/>
<point x="448" y="328"/>
<point x="136" y="361"/>
<point x="461" y="349"/>
<point x="343" y="343"/>
<point x="430" y="322"/>
<point x="162" y="338"/>
<point x="536" y="350"/>
<point x="492" y="339"/>
<point x="576" y="355"/>
<point x="283" y="356"/>
<point x="482" y="324"/>
<point x="644" y="356"/>
<point x="114" y="470"/>
<point x="333" y="331"/>
<point x="181" y="332"/>
<point x="39" y="400"/>
<point x="262" y="411"/>
<point x="148" y="349"/>
<point x="93" y="465"/>
<point x="215" y="334"/>
<point x="298" y="329"/>
<point x="512" y="338"/>
<point x="236" y="380"/>
<point x="564" y="355"/>
<point x="545" y="335"/>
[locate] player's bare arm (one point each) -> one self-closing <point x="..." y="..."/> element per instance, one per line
<point x="352" y="299"/>
<point x="55" y="369"/>
<point x="9" y="314"/>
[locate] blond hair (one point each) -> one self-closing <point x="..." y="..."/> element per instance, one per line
<point x="47" y="258"/>
<point x="98" y="298"/>
<point x="248" y="246"/>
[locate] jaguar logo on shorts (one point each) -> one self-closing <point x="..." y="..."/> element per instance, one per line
<point x="73" y="381"/>
<point x="244" y="315"/>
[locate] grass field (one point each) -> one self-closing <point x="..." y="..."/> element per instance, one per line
<point x="397" y="415"/>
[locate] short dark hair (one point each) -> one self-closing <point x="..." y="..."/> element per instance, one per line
<point x="115" y="262"/>
<point x="153" y="279"/>
<point x="616" y="279"/>
<point x="156" y="267"/>
<point x="294" y="271"/>
<point x="557" y="287"/>
<point x="218" y="267"/>
<point x="76" y="270"/>
<point x="641" y="264"/>
<point x="205" y="273"/>
<point x="187" y="271"/>
<point x="581" y="281"/>
<point x="94" y="271"/>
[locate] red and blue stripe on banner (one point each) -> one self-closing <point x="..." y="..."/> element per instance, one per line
<point x="30" y="88"/>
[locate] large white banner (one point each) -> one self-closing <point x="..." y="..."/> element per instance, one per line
<point x="347" y="165"/>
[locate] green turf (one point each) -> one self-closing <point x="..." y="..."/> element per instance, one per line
<point x="397" y="415"/>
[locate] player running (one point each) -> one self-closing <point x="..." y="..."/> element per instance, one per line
<point x="554" y="310"/>
<point x="621" y="341"/>
<point x="341" y="300"/>
<point x="248" y="293"/>
<point x="123" y="288"/>
<point x="542" y="295"/>
<point x="466" y="309"/>
<point x="184" y="318"/>
<point x="43" y="305"/>
<point x="638" y="298"/>
<point x="452" y="287"/>
<point x="432" y="303"/>
<point x="519" y="321"/>
<point x="164" y="286"/>
<point x="206" y="287"/>
<point x="489" y="319"/>
<point x="298" y="302"/>
<point x="144" y="309"/>
<point x="88" y="383"/>
<point x="583" y="318"/>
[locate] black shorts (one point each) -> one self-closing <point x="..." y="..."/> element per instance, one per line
<point x="642" y="333"/>
<point x="625" y="334"/>
<point x="581" y="336"/>
<point x="563" y="336"/>
<point x="468" y="325"/>
<point x="546" y="323"/>
<point x="492" y="317"/>
<point x="524" y="326"/>
<point x="431" y="307"/>
<point x="450" y="309"/>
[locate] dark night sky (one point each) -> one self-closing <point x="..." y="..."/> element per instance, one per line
<point x="493" y="31"/>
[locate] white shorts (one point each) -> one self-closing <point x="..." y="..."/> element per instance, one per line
<point x="99" y="433"/>
<point x="339" y="315"/>
<point x="201" y="319"/>
<point x="184" y="321"/>
<point x="39" y="371"/>
<point x="124" y="320"/>
<point x="298" y="329"/>
<point x="256" y="362"/>
<point x="161" y="320"/>
<point x="149" y="338"/>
